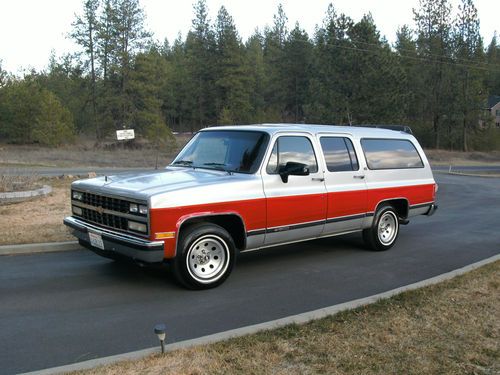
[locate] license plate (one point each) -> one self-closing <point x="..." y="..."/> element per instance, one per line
<point x="96" y="240"/>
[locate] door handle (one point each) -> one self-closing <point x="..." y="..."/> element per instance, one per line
<point x="359" y="176"/>
<point x="320" y="179"/>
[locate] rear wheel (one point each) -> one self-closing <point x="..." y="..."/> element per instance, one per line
<point x="205" y="256"/>
<point x="384" y="231"/>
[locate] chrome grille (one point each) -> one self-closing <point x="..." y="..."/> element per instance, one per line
<point x="108" y="203"/>
<point x="109" y="212"/>
<point x="108" y="220"/>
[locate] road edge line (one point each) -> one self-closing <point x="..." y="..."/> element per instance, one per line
<point x="35" y="248"/>
<point x="273" y="324"/>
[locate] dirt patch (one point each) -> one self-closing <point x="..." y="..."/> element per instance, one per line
<point x="449" y="328"/>
<point x="38" y="220"/>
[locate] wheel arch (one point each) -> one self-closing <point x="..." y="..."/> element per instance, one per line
<point x="230" y="221"/>
<point x="400" y="204"/>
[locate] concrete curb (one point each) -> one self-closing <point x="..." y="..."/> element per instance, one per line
<point x="19" y="196"/>
<point x="48" y="247"/>
<point x="297" y="319"/>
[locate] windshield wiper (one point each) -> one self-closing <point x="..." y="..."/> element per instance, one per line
<point x="187" y="163"/>
<point x="215" y="164"/>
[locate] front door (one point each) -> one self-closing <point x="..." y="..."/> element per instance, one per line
<point x="296" y="209"/>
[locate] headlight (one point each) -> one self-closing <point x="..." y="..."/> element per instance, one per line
<point x="77" y="195"/>
<point x="77" y="211"/>
<point x="138" y="227"/>
<point x="138" y="209"/>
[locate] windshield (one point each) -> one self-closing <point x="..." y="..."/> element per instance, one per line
<point x="229" y="150"/>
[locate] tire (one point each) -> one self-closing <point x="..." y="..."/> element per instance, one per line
<point x="205" y="256"/>
<point x="384" y="231"/>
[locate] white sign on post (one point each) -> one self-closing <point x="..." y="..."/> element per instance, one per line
<point x="125" y="134"/>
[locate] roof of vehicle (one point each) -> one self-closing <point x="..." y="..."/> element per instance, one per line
<point x="356" y="131"/>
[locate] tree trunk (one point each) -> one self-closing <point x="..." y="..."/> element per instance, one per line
<point x="465" y="112"/>
<point x="93" y="87"/>
<point x="435" y="126"/>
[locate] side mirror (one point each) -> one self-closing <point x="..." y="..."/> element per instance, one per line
<point x="294" y="169"/>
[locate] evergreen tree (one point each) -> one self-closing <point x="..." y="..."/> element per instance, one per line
<point x="492" y="79"/>
<point x="200" y="51"/>
<point x="332" y="84"/>
<point x="406" y="51"/>
<point x="433" y="21"/>
<point x="297" y="65"/>
<point x="85" y="29"/>
<point x="274" y="62"/>
<point x="130" y="38"/>
<point x="66" y="80"/>
<point x="178" y="100"/>
<point x="53" y="125"/>
<point x="3" y="76"/>
<point x="232" y="82"/>
<point x="468" y="50"/>
<point x="106" y="36"/>
<point x="256" y="76"/>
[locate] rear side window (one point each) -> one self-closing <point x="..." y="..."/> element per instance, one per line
<point x="339" y="154"/>
<point x="391" y="154"/>
<point x="292" y="148"/>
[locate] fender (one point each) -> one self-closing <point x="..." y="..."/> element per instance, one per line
<point x="198" y="215"/>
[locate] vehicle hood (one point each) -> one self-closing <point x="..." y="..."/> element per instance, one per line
<point x="143" y="185"/>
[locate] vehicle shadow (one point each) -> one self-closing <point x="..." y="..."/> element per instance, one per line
<point x="131" y="274"/>
<point x="330" y="245"/>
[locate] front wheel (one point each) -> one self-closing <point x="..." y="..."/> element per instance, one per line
<point x="384" y="231"/>
<point x="205" y="256"/>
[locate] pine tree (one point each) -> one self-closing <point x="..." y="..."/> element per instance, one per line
<point x="468" y="51"/>
<point x="297" y="65"/>
<point x="200" y="52"/>
<point x="85" y="29"/>
<point x="492" y="79"/>
<point x="131" y="37"/>
<point x="256" y="75"/>
<point x="433" y="22"/>
<point x="3" y="76"/>
<point x="274" y="62"/>
<point x="331" y="85"/>
<point x="232" y="79"/>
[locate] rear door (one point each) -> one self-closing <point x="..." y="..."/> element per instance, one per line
<point x="296" y="209"/>
<point x="345" y="184"/>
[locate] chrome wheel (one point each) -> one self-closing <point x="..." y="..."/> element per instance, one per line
<point x="208" y="258"/>
<point x="387" y="228"/>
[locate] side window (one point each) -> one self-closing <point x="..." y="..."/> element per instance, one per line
<point x="292" y="148"/>
<point x="339" y="154"/>
<point x="391" y="154"/>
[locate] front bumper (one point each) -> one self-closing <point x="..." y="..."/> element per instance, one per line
<point x="116" y="243"/>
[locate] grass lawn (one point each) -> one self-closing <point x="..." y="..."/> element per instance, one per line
<point x="449" y="328"/>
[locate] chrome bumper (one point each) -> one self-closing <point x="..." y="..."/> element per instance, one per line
<point x="116" y="243"/>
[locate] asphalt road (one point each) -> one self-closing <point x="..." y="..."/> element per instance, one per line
<point x="62" y="308"/>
